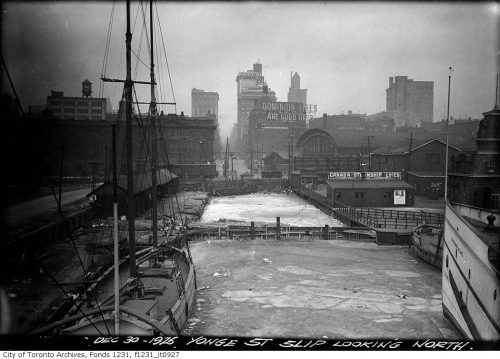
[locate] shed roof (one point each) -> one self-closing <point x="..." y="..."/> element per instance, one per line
<point x="141" y="183"/>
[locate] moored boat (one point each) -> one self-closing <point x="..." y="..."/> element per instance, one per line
<point x="426" y="244"/>
<point x="150" y="291"/>
<point x="471" y="251"/>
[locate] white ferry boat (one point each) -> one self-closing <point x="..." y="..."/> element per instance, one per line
<point x="471" y="250"/>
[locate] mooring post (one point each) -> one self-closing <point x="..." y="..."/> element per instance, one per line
<point x="326" y="236"/>
<point x="252" y="230"/>
<point x="278" y="229"/>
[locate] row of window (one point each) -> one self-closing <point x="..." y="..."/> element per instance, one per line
<point x="73" y="103"/>
<point x="360" y="195"/>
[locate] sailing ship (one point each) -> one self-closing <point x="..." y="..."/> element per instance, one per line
<point x="471" y="250"/>
<point x="148" y="292"/>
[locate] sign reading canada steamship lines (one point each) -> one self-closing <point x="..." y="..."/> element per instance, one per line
<point x="365" y="175"/>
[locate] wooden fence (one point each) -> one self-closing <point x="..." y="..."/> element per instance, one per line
<point x="284" y="232"/>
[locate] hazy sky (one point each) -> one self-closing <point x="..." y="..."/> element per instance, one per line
<point x="344" y="52"/>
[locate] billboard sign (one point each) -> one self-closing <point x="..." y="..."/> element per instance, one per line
<point x="367" y="175"/>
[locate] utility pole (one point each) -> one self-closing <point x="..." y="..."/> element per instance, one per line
<point x="226" y="158"/>
<point x="409" y="156"/>
<point x="251" y="155"/>
<point x="232" y="168"/>
<point x="447" y="138"/>
<point x="368" y="150"/>
<point x="59" y="205"/>
<point x="289" y="163"/>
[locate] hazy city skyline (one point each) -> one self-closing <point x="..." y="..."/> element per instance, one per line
<point x="343" y="52"/>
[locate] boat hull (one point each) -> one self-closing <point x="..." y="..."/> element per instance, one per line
<point x="470" y="283"/>
<point x="167" y="315"/>
<point x="427" y="244"/>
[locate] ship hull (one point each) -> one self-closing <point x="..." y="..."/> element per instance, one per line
<point x="470" y="282"/>
<point x="166" y="314"/>
<point x="428" y="245"/>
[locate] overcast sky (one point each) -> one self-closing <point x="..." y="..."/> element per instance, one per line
<point x="343" y="52"/>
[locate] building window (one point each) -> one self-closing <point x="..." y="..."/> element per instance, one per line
<point x="495" y="201"/>
<point x="359" y="194"/>
<point x="491" y="167"/>
<point x="433" y="158"/>
<point x="338" y="195"/>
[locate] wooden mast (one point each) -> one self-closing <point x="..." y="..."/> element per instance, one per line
<point x="115" y="239"/>
<point x="152" y="111"/>
<point x="128" y="136"/>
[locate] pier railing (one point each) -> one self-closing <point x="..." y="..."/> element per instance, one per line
<point x="283" y="232"/>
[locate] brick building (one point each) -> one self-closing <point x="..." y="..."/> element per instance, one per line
<point x="474" y="177"/>
<point x="78" y="108"/>
<point x="424" y="166"/>
<point x="185" y="146"/>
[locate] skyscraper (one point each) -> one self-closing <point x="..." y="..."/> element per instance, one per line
<point x="206" y="104"/>
<point x="410" y="101"/>
<point x="250" y="86"/>
<point x="203" y="103"/>
<point x="295" y="93"/>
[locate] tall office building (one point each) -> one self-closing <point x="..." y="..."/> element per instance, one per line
<point x="203" y="103"/>
<point x="206" y="104"/>
<point x="295" y="93"/>
<point x="250" y="86"/>
<point x="411" y="102"/>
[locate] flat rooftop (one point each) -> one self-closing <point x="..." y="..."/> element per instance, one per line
<point x="315" y="289"/>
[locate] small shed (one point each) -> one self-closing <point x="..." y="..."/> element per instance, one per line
<point x="102" y="197"/>
<point x="371" y="193"/>
<point x="276" y="161"/>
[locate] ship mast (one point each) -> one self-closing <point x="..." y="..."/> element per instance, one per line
<point x="128" y="136"/>
<point x="152" y="110"/>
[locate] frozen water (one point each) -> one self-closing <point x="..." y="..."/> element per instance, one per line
<point x="259" y="207"/>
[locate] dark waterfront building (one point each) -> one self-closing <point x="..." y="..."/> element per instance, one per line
<point x="370" y="189"/>
<point x="276" y="161"/>
<point x="78" y="108"/>
<point x="474" y="177"/>
<point x="424" y="166"/>
<point x="185" y="146"/>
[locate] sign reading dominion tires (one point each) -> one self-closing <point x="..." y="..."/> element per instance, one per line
<point x="285" y="111"/>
